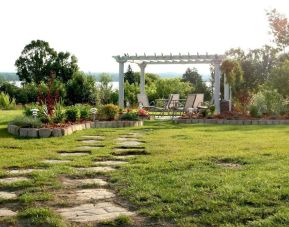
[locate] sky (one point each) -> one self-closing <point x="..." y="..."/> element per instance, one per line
<point x="96" y="30"/>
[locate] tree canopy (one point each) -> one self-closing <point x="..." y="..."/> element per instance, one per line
<point x="38" y="60"/>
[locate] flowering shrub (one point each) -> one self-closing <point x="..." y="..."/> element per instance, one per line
<point x="142" y="113"/>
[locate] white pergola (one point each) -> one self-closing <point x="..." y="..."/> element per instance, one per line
<point x="144" y="60"/>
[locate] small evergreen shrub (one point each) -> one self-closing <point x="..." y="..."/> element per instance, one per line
<point x="26" y="122"/>
<point x="72" y="113"/>
<point x="129" y="116"/>
<point x="108" y="112"/>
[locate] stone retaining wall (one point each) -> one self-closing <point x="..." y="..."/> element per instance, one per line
<point x="57" y="132"/>
<point x="232" y="122"/>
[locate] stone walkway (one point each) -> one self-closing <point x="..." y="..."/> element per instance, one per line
<point x="97" y="204"/>
<point x="88" y="199"/>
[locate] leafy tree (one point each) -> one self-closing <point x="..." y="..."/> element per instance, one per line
<point x="279" y="78"/>
<point x="192" y="76"/>
<point x="105" y="88"/>
<point x="81" y="89"/>
<point x="165" y="87"/>
<point x="279" y="26"/>
<point x="131" y="91"/>
<point x="38" y="60"/>
<point x="64" y="66"/>
<point x="129" y="76"/>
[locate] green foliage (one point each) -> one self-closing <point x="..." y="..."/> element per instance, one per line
<point x="254" y="112"/>
<point x="81" y="89"/>
<point x="165" y="87"/>
<point x="59" y="113"/>
<point x="131" y="91"/>
<point x="108" y="112"/>
<point x="84" y="111"/>
<point x="6" y="102"/>
<point x="38" y="60"/>
<point x="105" y="88"/>
<point x="192" y="76"/>
<point x="269" y="101"/>
<point x="279" y="78"/>
<point x="130" y="116"/>
<point x="129" y="76"/>
<point x="72" y="113"/>
<point x="26" y="122"/>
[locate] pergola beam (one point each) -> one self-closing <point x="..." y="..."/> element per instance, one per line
<point x="144" y="60"/>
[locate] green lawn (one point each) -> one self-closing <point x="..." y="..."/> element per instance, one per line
<point x="194" y="175"/>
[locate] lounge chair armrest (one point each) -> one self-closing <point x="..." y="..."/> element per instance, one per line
<point x="152" y="103"/>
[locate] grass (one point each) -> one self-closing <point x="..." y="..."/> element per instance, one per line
<point x="190" y="175"/>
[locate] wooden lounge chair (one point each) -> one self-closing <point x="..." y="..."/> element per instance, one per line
<point x="166" y="107"/>
<point x="199" y="103"/>
<point x="190" y="100"/>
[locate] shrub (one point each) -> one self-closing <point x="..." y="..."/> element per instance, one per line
<point x="43" y="114"/>
<point x="254" y="111"/>
<point x="108" y="112"/>
<point x="269" y="101"/>
<point x="84" y="111"/>
<point x="72" y="113"/>
<point x="59" y="115"/>
<point x="142" y="113"/>
<point x="129" y="116"/>
<point x="26" y="122"/>
<point x="6" y="102"/>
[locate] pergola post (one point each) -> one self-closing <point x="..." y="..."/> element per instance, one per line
<point x="226" y="89"/>
<point x="217" y="86"/>
<point x="142" y="77"/>
<point x="121" y="84"/>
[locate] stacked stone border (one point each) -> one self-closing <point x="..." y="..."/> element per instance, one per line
<point x="233" y="122"/>
<point x="58" y="132"/>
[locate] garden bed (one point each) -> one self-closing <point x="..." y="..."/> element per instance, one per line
<point x="233" y="122"/>
<point x="64" y="131"/>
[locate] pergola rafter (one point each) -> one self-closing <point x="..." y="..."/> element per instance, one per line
<point x="144" y="60"/>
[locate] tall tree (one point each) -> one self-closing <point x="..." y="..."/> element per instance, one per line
<point x="129" y="76"/>
<point x="192" y="76"/>
<point x="279" y="26"/>
<point x="38" y="60"/>
<point x="105" y="88"/>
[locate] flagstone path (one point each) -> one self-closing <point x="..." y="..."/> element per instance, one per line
<point x="84" y="205"/>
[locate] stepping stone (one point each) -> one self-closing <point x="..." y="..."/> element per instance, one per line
<point x="94" y="212"/>
<point x="22" y="171"/>
<point x="6" y="212"/>
<point x="109" y="163"/>
<point x="79" y="182"/>
<point x="102" y="169"/>
<point x="12" y="180"/>
<point x="94" y="137"/>
<point x="75" y="153"/>
<point x="55" y="161"/>
<point x="7" y="195"/>
<point x="90" y="141"/>
<point x="135" y="134"/>
<point x="126" y="139"/>
<point x="130" y="143"/>
<point x="89" y="147"/>
<point x="124" y="157"/>
<point x="95" y="194"/>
